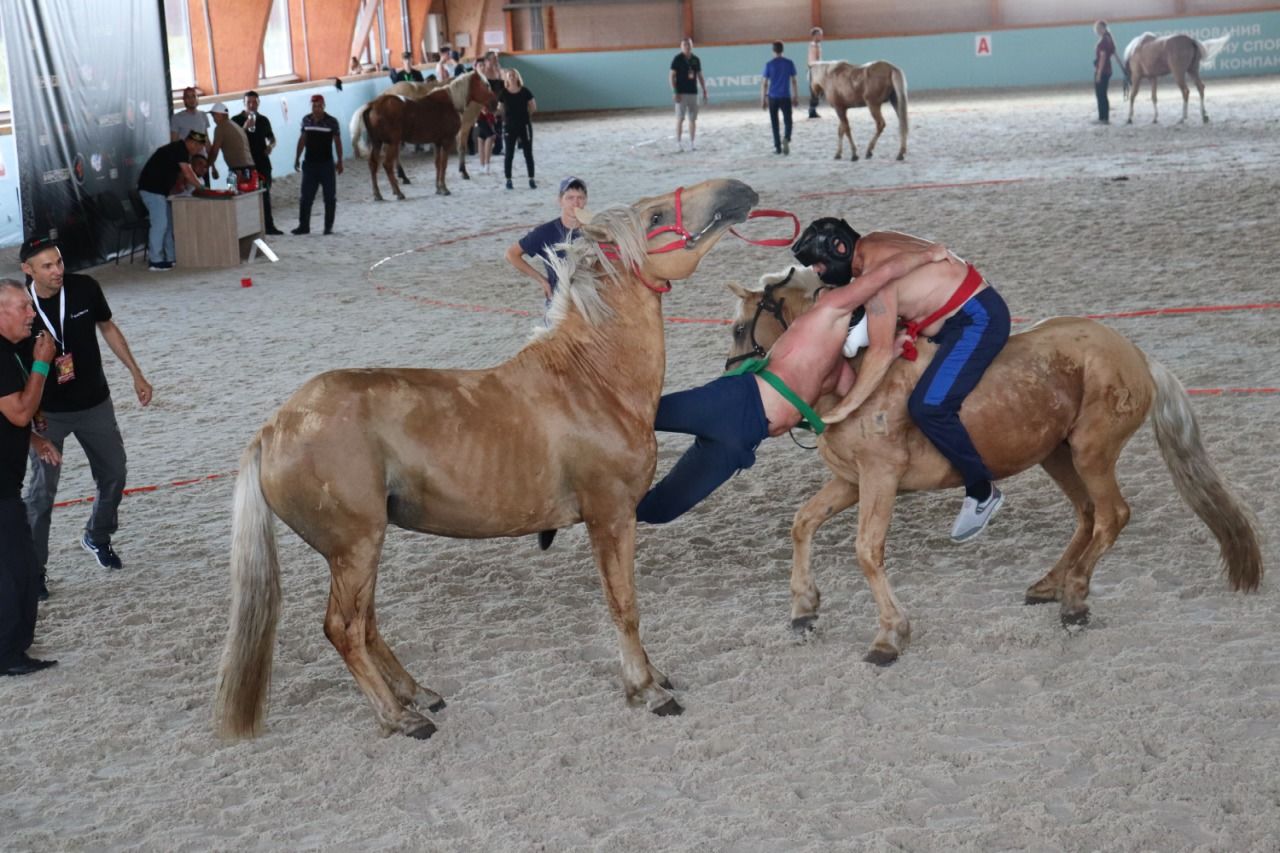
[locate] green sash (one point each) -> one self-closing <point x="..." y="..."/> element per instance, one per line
<point x="808" y="417"/>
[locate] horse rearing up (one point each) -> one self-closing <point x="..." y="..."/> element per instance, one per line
<point x="1180" y="55"/>
<point x="846" y="86"/>
<point x="560" y="433"/>
<point x="389" y="120"/>
<point x="1066" y="394"/>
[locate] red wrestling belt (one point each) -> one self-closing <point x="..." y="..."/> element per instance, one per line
<point x="972" y="281"/>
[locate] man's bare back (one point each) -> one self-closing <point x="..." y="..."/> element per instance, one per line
<point x="921" y="292"/>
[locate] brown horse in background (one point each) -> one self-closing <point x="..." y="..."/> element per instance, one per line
<point x="871" y="85"/>
<point x="416" y="90"/>
<point x="1181" y="55"/>
<point x="560" y="433"/>
<point x="1066" y="394"/>
<point x="435" y="118"/>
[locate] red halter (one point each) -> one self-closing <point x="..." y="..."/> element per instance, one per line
<point x="684" y="239"/>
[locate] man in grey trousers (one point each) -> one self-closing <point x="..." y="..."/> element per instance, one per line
<point x="72" y="309"/>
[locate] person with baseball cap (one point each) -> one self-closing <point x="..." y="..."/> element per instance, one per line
<point x="166" y="167"/>
<point x="545" y="240"/>
<point x="406" y="73"/>
<point x="230" y="139"/>
<point x="321" y="139"/>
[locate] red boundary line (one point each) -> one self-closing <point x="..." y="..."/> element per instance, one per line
<point x="912" y="187"/>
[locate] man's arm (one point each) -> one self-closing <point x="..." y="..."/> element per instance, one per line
<point x="675" y="96"/>
<point x="297" y="155"/>
<point x="515" y="257"/>
<point x="115" y="339"/>
<point x="702" y="81"/>
<point x="795" y="90"/>
<point x="764" y="93"/>
<point x="882" y="323"/>
<point x="188" y="175"/>
<point x="337" y="144"/>
<point x="20" y="406"/>
<point x="872" y="281"/>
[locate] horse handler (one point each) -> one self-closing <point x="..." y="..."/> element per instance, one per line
<point x="766" y="397"/>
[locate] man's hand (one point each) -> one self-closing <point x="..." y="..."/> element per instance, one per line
<point x="45" y="348"/>
<point x="339" y="167"/>
<point x="297" y="165"/>
<point x="142" y="388"/>
<point x="45" y="450"/>
<point x="705" y="97"/>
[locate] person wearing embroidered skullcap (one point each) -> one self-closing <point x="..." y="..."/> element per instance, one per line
<point x="167" y="167"/>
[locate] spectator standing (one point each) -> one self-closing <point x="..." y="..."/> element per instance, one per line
<point x="232" y="142"/>
<point x="24" y="365"/>
<point x="815" y="55"/>
<point x="518" y="106"/>
<point x="778" y="92"/>
<point x="321" y="138"/>
<point x="189" y="118"/>
<point x="542" y="241"/>
<point x="1102" y="55"/>
<point x="492" y="70"/>
<point x="406" y="73"/>
<point x="167" y="167"/>
<point x="73" y="311"/>
<point x="686" y="77"/>
<point x="262" y="141"/>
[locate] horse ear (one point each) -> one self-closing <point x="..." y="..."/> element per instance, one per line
<point x="738" y="290"/>
<point x="776" y="277"/>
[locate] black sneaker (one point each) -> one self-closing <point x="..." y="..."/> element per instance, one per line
<point x="104" y="553"/>
<point x="42" y="586"/>
<point x="533" y="185"/>
<point x="509" y="185"/>
<point x="300" y="230"/>
<point x="273" y="231"/>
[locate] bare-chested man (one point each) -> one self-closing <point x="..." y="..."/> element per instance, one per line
<point x="948" y="302"/>
<point x="733" y="414"/>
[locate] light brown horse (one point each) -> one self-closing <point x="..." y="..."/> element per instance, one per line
<point x="561" y="433"/>
<point x="1149" y="57"/>
<point x="1066" y="394"/>
<point x="845" y="86"/>
<point x="388" y="120"/>
<point x="415" y="90"/>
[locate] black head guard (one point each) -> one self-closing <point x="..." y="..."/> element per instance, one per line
<point x="830" y="241"/>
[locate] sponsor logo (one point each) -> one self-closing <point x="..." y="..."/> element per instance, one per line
<point x="55" y="176"/>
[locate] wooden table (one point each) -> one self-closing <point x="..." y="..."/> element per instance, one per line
<point x="215" y="232"/>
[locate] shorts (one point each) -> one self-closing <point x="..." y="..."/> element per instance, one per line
<point x="687" y="104"/>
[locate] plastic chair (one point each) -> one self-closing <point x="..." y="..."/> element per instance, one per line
<point x="125" y="220"/>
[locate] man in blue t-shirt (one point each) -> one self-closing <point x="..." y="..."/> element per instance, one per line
<point x="540" y="242"/>
<point x="777" y="93"/>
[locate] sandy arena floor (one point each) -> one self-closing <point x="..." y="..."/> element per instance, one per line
<point x="1156" y="728"/>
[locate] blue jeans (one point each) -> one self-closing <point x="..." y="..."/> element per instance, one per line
<point x="728" y="419"/>
<point x="160" y="237"/>
<point x="968" y="342"/>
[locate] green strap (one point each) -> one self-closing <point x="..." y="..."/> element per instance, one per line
<point x="808" y="417"/>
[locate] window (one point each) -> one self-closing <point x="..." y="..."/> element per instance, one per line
<point x="182" y="68"/>
<point x="5" y="103"/>
<point x="277" y="48"/>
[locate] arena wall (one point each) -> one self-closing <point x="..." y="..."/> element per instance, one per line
<point x="1033" y="56"/>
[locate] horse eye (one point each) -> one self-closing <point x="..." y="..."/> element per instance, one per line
<point x="657" y="217"/>
<point x="737" y="331"/>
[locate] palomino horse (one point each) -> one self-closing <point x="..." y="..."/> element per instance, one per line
<point x="870" y="85"/>
<point x="415" y="90"/>
<point x="560" y="433"/>
<point x="1181" y="55"/>
<point x="389" y="120"/>
<point x="1066" y="394"/>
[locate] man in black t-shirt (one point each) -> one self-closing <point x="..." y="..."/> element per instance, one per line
<point x="159" y="175"/>
<point x="686" y="76"/>
<point x="23" y="368"/>
<point x="320" y="137"/>
<point x="72" y="310"/>
<point x="261" y="141"/>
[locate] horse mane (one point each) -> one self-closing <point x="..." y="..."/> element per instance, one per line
<point x="585" y="269"/>
<point x="1135" y="44"/>
<point x="457" y="89"/>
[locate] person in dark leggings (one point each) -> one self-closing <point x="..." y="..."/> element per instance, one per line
<point x="1102" y="55"/>
<point x="518" y="106"/>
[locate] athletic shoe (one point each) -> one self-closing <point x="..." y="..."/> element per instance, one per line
<point x="105" y="554"/>
<point x="692" y="147"/>
<point x="300" y="230"/>
<point x="814" y="115"/>
<point x="25" y="665"/>
<point x="273" y="231"/>
<point x="786" y="146"/>
<point x="533" y="185"/>
<point x="974" y="516"/>
<point x="42" y="586"/>
<point x="163" y="266"/>
<point x="679" y="145"/>
<point x="510" y="185"/>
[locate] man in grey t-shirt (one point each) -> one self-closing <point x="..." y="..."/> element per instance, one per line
<point x="189" y="119"/>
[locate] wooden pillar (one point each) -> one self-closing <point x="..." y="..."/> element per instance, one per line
<point x="549" y="27"/>
<point x="508" y="20"/>
<point x="688" y="18"/>
<point x="815" y="13"/>
<point x="238" y="27"/>
<point x="997" y="17"/>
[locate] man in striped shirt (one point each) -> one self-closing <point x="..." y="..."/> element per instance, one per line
<point x="321" y="138"/>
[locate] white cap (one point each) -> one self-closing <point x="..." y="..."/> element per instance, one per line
<point x="220" y="108"/>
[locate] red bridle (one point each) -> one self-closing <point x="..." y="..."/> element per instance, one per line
<point x="685" y="240"/>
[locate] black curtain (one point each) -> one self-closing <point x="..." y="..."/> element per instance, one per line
<point x="90" y="93"/>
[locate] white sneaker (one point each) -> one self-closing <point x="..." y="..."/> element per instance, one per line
<point x="974" y="516"/>
<point x="692" y="146"/>
<point x="679" y="145"/>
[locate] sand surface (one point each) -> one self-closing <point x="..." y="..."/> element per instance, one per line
<point x="1155" y="728"/>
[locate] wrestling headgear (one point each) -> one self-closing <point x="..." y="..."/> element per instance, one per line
<point x="830" y="241"/>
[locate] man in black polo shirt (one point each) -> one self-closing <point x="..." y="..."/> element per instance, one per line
<point x="686" y="75"/>
<point x="23" y="368"/>
<point x="158" y="177"/>
<point x="320" y="137"/>
<point x="72" y="310"/>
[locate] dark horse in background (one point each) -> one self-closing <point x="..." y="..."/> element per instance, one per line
<point x="1149" y="57"/>
<point x="436" y="118"/>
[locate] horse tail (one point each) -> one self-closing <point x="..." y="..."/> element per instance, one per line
<point x="1199" y="482"/>
<point x="244" y="676"/>
<point x="898" y="97"/>
<point x="360" y="131"/>
<point x="1210" y="48"/>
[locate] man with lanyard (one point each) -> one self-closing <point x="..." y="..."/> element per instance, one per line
<point x="542" y="241"/>
<point x="23" y="369"/>
<point x="686" y="77"/>
<point x="778" y="91"/>
<point x="764" y="397"/>
<point x="320" y="138"/>
<point x="262" y="140"/>
<point x="948" y="302"/>
<point x="406" y="73"/>
<point x="72" y="310"/>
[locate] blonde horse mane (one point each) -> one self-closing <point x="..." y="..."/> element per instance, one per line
<point x="1135" y="44"/>
<point x="580" y="281"/>
<point x="457" y="89"/>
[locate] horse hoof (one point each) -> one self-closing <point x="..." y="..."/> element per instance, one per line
<point x="880" y="657"/>
<point x="545" y="538"/>
<point x="1075" y="620"/>
<point x="401" y="197"/>
<point x="1038" y="599"/>
<point x="839" y="157"/>
<point x="868" y="155"/>
<point x="438" y="706"/>
<point x="853" y="158"/>
<point x="803" y="625"/>
<point x="404" y="179"/>
<point x="465" y="176"/>
<point x="422" y="731"/>
<point x="902" y="156"/>
<point x="669" y="708"/>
